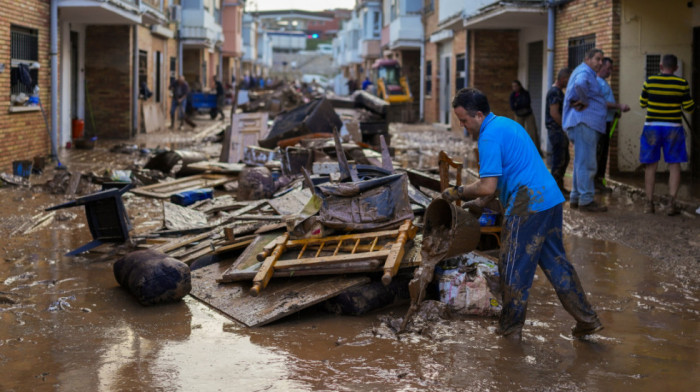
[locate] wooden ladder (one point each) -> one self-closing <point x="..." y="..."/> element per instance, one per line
<point x="356" y="248"/>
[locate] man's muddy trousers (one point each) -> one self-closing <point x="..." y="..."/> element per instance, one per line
<point x="529" y="241"/>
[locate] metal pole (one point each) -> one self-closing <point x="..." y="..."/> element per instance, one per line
<point x="135" y="85"/>
<point x="54" y="78"/>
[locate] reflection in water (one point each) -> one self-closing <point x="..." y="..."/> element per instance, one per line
<point x="106" y="341"/>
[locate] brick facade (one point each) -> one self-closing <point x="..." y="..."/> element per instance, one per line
<point x="23" y="135"/>
<point x="602" y="18"/>
<point x="108" y="69"/>
<point x="493" y="65"/>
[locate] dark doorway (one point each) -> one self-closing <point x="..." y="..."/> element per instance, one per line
<point x="158" y="66"/>
<point x="74" y="58"/>
<point x="695" y="118"/>
<point x="534" y="79"/>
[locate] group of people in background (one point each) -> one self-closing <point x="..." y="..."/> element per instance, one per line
<point x="581" y="109"/>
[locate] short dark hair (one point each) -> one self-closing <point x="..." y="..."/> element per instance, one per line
<point x="592" y="52"/>
<point x="471" y="100"/>
<point x="669" y="61"/>
<point x="607" y="60"/>
<point x="563" y="73"/>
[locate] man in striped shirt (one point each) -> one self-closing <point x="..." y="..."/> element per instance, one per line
<point x="664" y="96"/>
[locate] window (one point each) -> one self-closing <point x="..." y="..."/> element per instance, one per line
<point x="429" y="6"/>
<point x="578" y="47"/>
<point x="461" y="76"/>
<point x="428" y="78"/>
<point x="653" y="65"/>
<point x="173" y="67"/>
<point x="24" y="50"/>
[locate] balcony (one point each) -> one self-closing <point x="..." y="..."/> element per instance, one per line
<point x="199" y="30"/>
<point x="406" y="32"/>
<point x="95" y="12"/>
<point x="370" y="48"/>
<point x="153" y="12"/>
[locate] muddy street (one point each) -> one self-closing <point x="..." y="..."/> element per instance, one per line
<point x="66" y="325"/>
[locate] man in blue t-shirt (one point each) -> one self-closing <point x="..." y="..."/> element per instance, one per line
<point x="532" y="233"/>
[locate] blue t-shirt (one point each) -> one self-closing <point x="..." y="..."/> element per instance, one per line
<point x="506" y="151"/>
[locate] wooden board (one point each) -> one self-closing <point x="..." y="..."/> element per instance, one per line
<point x="281" y="298"/>
<point x="164" y="190"/>
<point x="153" y="117"/>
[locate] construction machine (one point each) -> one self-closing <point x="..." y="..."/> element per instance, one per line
<point x="393" y="88"/>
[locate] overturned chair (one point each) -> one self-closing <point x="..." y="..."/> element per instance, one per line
<point x="106" y="217"/>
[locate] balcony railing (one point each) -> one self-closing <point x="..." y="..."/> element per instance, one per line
<point x="406" y="29"/>
<point x="155" y="4"/>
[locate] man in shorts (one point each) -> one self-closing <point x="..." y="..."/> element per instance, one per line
<point x="664" y="95"/>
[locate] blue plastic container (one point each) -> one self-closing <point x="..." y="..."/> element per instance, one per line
<point x="22" y="168"/>
<point x="488" y="217"/>
<point x="190" y="197"/>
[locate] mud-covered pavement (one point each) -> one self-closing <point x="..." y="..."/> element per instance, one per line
<point x="66" y="325"/>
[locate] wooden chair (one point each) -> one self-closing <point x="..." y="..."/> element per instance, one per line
<point x="444" y="164"/>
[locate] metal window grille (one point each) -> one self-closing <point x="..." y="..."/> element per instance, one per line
<point x="428" y="78"/>
<point x="24" y="46"/>
<point x="461" y="75"/>
<point x="578" y="46"/>
<point x="653" y="65"/>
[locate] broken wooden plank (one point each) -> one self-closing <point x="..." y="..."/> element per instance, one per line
<point x="73" y="184"/>
<point x="281" y="298"/>
<point x="335" y="269"/>
<point x="164" y="190"/>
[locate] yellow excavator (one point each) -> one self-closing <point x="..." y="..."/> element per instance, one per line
<point x="391" y="86"/>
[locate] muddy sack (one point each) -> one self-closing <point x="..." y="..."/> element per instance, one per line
<point x="379" y="203"/>
<point x="468" y="284"/>
<point x="153" y="277"/>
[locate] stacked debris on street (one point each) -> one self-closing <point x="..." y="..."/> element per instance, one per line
<point x="305" y="203"/>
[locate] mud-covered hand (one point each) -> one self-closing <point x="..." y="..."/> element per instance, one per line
<point x="452" y="193"/>
<point x="475" y="207"/>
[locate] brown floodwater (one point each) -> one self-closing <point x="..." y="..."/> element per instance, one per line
<point x="66" y="325"/>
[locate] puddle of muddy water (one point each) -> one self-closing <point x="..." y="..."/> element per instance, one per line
<point x="98" y="338"/>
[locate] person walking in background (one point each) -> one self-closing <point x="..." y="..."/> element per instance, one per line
<point x="220" y="98"/>
<point x="366" y="83"/>
<point x="520" y="104"/>
<point x="584" y="122"/>
<point x="555" y="133"/>
<point x="614" y="110"/>
<point x="180" y="91"/>
<point x="663" y="96"/>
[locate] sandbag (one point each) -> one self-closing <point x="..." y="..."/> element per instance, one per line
<point x="153" y="277"/>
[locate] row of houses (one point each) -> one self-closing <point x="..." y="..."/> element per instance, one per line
<point x="89" y="60"/>
<point x="446" y="45"/>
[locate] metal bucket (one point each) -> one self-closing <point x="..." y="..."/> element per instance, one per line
<point x="464" y="228"/>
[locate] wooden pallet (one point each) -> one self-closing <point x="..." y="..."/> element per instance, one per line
<point x="391" y="253"/>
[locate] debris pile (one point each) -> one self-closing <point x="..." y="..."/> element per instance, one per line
<point x="304" y="204"/>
